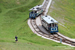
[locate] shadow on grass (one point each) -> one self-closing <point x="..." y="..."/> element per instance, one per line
<point x="26" y="19"/>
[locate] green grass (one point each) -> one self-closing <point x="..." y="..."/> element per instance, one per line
<point x="63" y="11"/>
<point x="30" y="46"/>
<point x="13" y="21"/>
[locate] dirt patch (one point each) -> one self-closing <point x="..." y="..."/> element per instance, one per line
<point x="18" y="2"/>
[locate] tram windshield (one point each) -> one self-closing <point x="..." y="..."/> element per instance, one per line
<point x="53" y="24"/>
<point x="33" y="11"/>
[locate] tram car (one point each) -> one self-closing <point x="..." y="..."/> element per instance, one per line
<point x="35" y="11"/>
<point x="49" y="24"/>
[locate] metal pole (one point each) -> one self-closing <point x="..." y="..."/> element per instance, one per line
<point x="60" y="40"/>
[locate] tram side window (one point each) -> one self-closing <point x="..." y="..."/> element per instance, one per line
<point x="37" y="8"/>
<point x="43" y="21"/>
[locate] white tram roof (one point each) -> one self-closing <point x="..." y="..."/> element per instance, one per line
<point x="49" y="19"/>
<point x="36" y="8"/>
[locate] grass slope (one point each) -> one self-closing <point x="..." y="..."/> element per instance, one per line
<point x="13" y="21"/>
<point x="63" y="11"/>
<point x="30" y="46"/>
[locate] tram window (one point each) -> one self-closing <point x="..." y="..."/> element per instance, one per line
<point x="55" y="24"/>
<point x="37" y="8"/>
<point x="49" y="25"/>
<point x="35" y="11"/>
<point x="32" y="12"/>
<point x="52" y="25"/>
<point x="43" y="21"/>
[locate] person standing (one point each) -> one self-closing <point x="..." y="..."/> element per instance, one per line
<point x="16" y="38"/>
